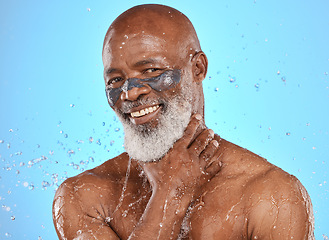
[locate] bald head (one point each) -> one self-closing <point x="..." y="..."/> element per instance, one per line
<point x="158" y="21"/>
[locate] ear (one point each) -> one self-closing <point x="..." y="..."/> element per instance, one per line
<point x="199" y="66"/>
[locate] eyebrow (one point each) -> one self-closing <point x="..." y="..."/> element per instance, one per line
<point x="144" y="62"/>
<point x="111" y="70"/>
<point x="137" y="64"/>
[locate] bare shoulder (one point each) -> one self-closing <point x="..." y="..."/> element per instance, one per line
<point x="273" y="203"/>
<point x="101" y="177"/>
<point x="276" y="204"/>
<point x="82" y="199"/>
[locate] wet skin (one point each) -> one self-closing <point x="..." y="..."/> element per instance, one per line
<point x="215" y="188"/>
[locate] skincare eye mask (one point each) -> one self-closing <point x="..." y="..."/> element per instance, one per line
<point x="163" y="82"/>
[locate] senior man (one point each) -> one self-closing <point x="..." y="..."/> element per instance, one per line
<point x="177" y="179"/>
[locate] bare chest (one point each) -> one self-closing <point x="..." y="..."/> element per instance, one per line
<point x="218" y="214"/>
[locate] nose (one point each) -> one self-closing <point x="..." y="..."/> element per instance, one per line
<point x="133" y="93"/>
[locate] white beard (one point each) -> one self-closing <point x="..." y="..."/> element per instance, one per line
<point x="144" y="143"/>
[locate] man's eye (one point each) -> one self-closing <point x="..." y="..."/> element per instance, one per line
<point x="151" y="70"/>
<point x="115" y="80"/>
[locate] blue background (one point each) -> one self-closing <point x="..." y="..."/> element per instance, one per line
<point x="267" y="89"/>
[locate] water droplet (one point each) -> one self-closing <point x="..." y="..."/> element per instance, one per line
<point x="216" y="89"/>
<point x="103" y="123"/>
<point x="117" y="129"/>
<point x="278" y="72"/>
<point x="12" y="218"/>
<point x="25" y="184"/>
<point x="288" y="133"/>
<point x="125" y="213"/>
<point x="31" y="187"/>
<point x="91" y="159"/>
<point x="284" y="79"/>
<point x="2" y="141"/>
<point x="91" y="139"/>
<point x="257" y="85"/>
<point x="232" y="79"/>
<point x="88" y="9"/>
<point x="70" y="152"/>
<point x="108" y="219"/>
<point x="7" y="234"/>
<point x="10" y="130"/>
<point x="45" y="184"/>
<point x="72" y="105"/>
<point x="98" y="142"/>
<point x="65" y="135"/>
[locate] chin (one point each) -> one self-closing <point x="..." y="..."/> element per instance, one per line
<point x="152" y="140"/>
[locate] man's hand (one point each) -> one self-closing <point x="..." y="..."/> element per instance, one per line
<point x="177" y="180"/>
<point x="191" y="162"/>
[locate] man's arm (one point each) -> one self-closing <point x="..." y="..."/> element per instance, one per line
<point x="280" y="208"/>
<point x="71" y="221"/>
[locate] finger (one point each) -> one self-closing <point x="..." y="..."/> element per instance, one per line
<point x="214" y="168"/>
<point x="214" y="164"/>
<point x="208" y="153"/>
<point x="201" y="142"/>
<point x="190" y="130"/>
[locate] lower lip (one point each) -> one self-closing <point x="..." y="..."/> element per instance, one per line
<point x="146" y="118"/>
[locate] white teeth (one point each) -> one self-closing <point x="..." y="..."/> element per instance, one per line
<point x="144" y="111"/>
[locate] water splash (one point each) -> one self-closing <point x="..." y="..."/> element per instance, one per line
<point x="124" y="188"/>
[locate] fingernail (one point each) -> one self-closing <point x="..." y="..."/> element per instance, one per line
<point x="215" y="143"/>
<point x="212" y="133"/>
<point x="198" y="116"/>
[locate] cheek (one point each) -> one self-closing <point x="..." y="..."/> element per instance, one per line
<point x="113" y="95"/>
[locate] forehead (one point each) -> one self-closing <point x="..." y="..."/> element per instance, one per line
<point x="130" y="47"/>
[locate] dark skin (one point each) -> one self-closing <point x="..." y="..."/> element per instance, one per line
<point x="223" y="191"/>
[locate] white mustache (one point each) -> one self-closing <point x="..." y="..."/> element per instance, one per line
<point x="126" y="106"/>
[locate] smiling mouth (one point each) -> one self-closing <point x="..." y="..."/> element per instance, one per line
<point x="145" y="115"/>
<point x="144" y="111"/>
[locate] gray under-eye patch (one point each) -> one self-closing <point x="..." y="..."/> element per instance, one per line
<point x="163" y="82"/>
